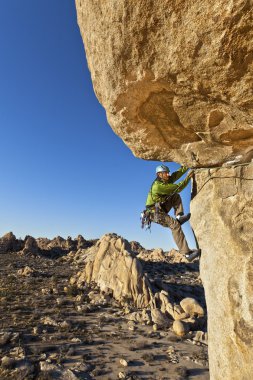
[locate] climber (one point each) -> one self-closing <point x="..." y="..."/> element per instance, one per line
<point x="163" y="195"/>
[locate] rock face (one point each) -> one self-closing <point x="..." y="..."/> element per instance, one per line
<point x="175" y="78"/>
<point x="222" y="218"/>
<point x="113" y="267"/>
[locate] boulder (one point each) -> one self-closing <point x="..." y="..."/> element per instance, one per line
<point x="180" y="328"/>
<point x="192" y="307"/>
<point x="8" y="243"/>
<point x="159" y="318"/>
<point x="31" y="245"/>
<point x="114" y="267"/>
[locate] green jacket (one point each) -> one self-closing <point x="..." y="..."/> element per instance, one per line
<point x="160" y="190"/>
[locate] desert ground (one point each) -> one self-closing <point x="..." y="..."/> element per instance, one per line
<point x="52" y="329"/>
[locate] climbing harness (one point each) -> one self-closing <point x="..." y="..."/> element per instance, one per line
<point x="146" y="214"/>
<point x="146" y="219"/>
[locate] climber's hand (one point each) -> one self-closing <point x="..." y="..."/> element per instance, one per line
<point x="190" y="174"/>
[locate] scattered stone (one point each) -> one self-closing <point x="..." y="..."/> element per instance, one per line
<point x="159" y="318"/>
<point x="123" y="362"/>
<point x="49" y="321"/>
<point x="27" y="271"/>
<point x="5" y="338"/>
<point x="65" y="325"/>
<point x="17" y="352"/>
<point x="60" y="301"/>
<point x="173" y="357"/>
<point x="8" y="362"/>
<point x="69" y="375"/>
<point x="200" y="337"/>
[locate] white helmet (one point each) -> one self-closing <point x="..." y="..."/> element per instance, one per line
<point x="162" y="168"/>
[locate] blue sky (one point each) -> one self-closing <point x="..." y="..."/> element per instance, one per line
<point x="63" y="170"/>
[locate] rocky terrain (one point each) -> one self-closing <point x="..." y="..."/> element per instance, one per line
<point x="99" y="309"/>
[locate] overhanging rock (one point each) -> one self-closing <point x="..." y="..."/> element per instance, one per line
<point x="175" y="78"/>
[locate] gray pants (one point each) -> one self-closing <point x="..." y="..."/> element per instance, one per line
<point x="165" y="220"/>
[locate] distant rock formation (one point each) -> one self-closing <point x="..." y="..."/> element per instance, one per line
<point x="8" y="243"/>
<point x="56" y="246"/>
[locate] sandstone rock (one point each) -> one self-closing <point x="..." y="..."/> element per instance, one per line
<point x="155" y="255"/>
<point x="81" y="242"/>
<point x="8" y="242"/>
<point x="65" y="325"/>
<point x="69" y="375"/>
<point x="7" y="362"/>
<point x="26" y="271"/>
<point x="183" y="95"/>
<point x="222" y="212"/>
<point x="146" y="316"/>
<point x="115" y="268"/>
<point x="180" y="328"/>
<point x="60" y="301"/>
<point x="186" y="96"/>
<point x="24" y="369"/>
<point x="123" y="362"/>
<point x="180" y="316"/>
<point x="159" y="318"/>
<point x="136" y="247"/>
<point x="48" y="367"/>
<point x="192" y="307"/>
<point x="31" y="245"/>
<point x="172" y="355"/>
<point x="5" y="337"/>
<point x="17" y="352"/>
<point x="201" y="337"/>
<point x="135" y="316"/>
<point x="49" y="321"/>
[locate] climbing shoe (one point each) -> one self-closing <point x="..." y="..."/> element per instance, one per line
<point x="183" y="218"/>
<point x="190" y="256"/>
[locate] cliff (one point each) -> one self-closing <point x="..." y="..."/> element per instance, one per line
<point x="175" y="79"/>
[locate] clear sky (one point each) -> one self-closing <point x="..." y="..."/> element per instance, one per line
<point x="63" y="170"/>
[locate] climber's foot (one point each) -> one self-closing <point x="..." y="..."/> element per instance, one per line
<point x="183" y="218"/>
<point x="193" y="254"/>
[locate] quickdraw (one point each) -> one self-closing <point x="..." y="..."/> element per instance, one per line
<point x="146" y="220"/>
